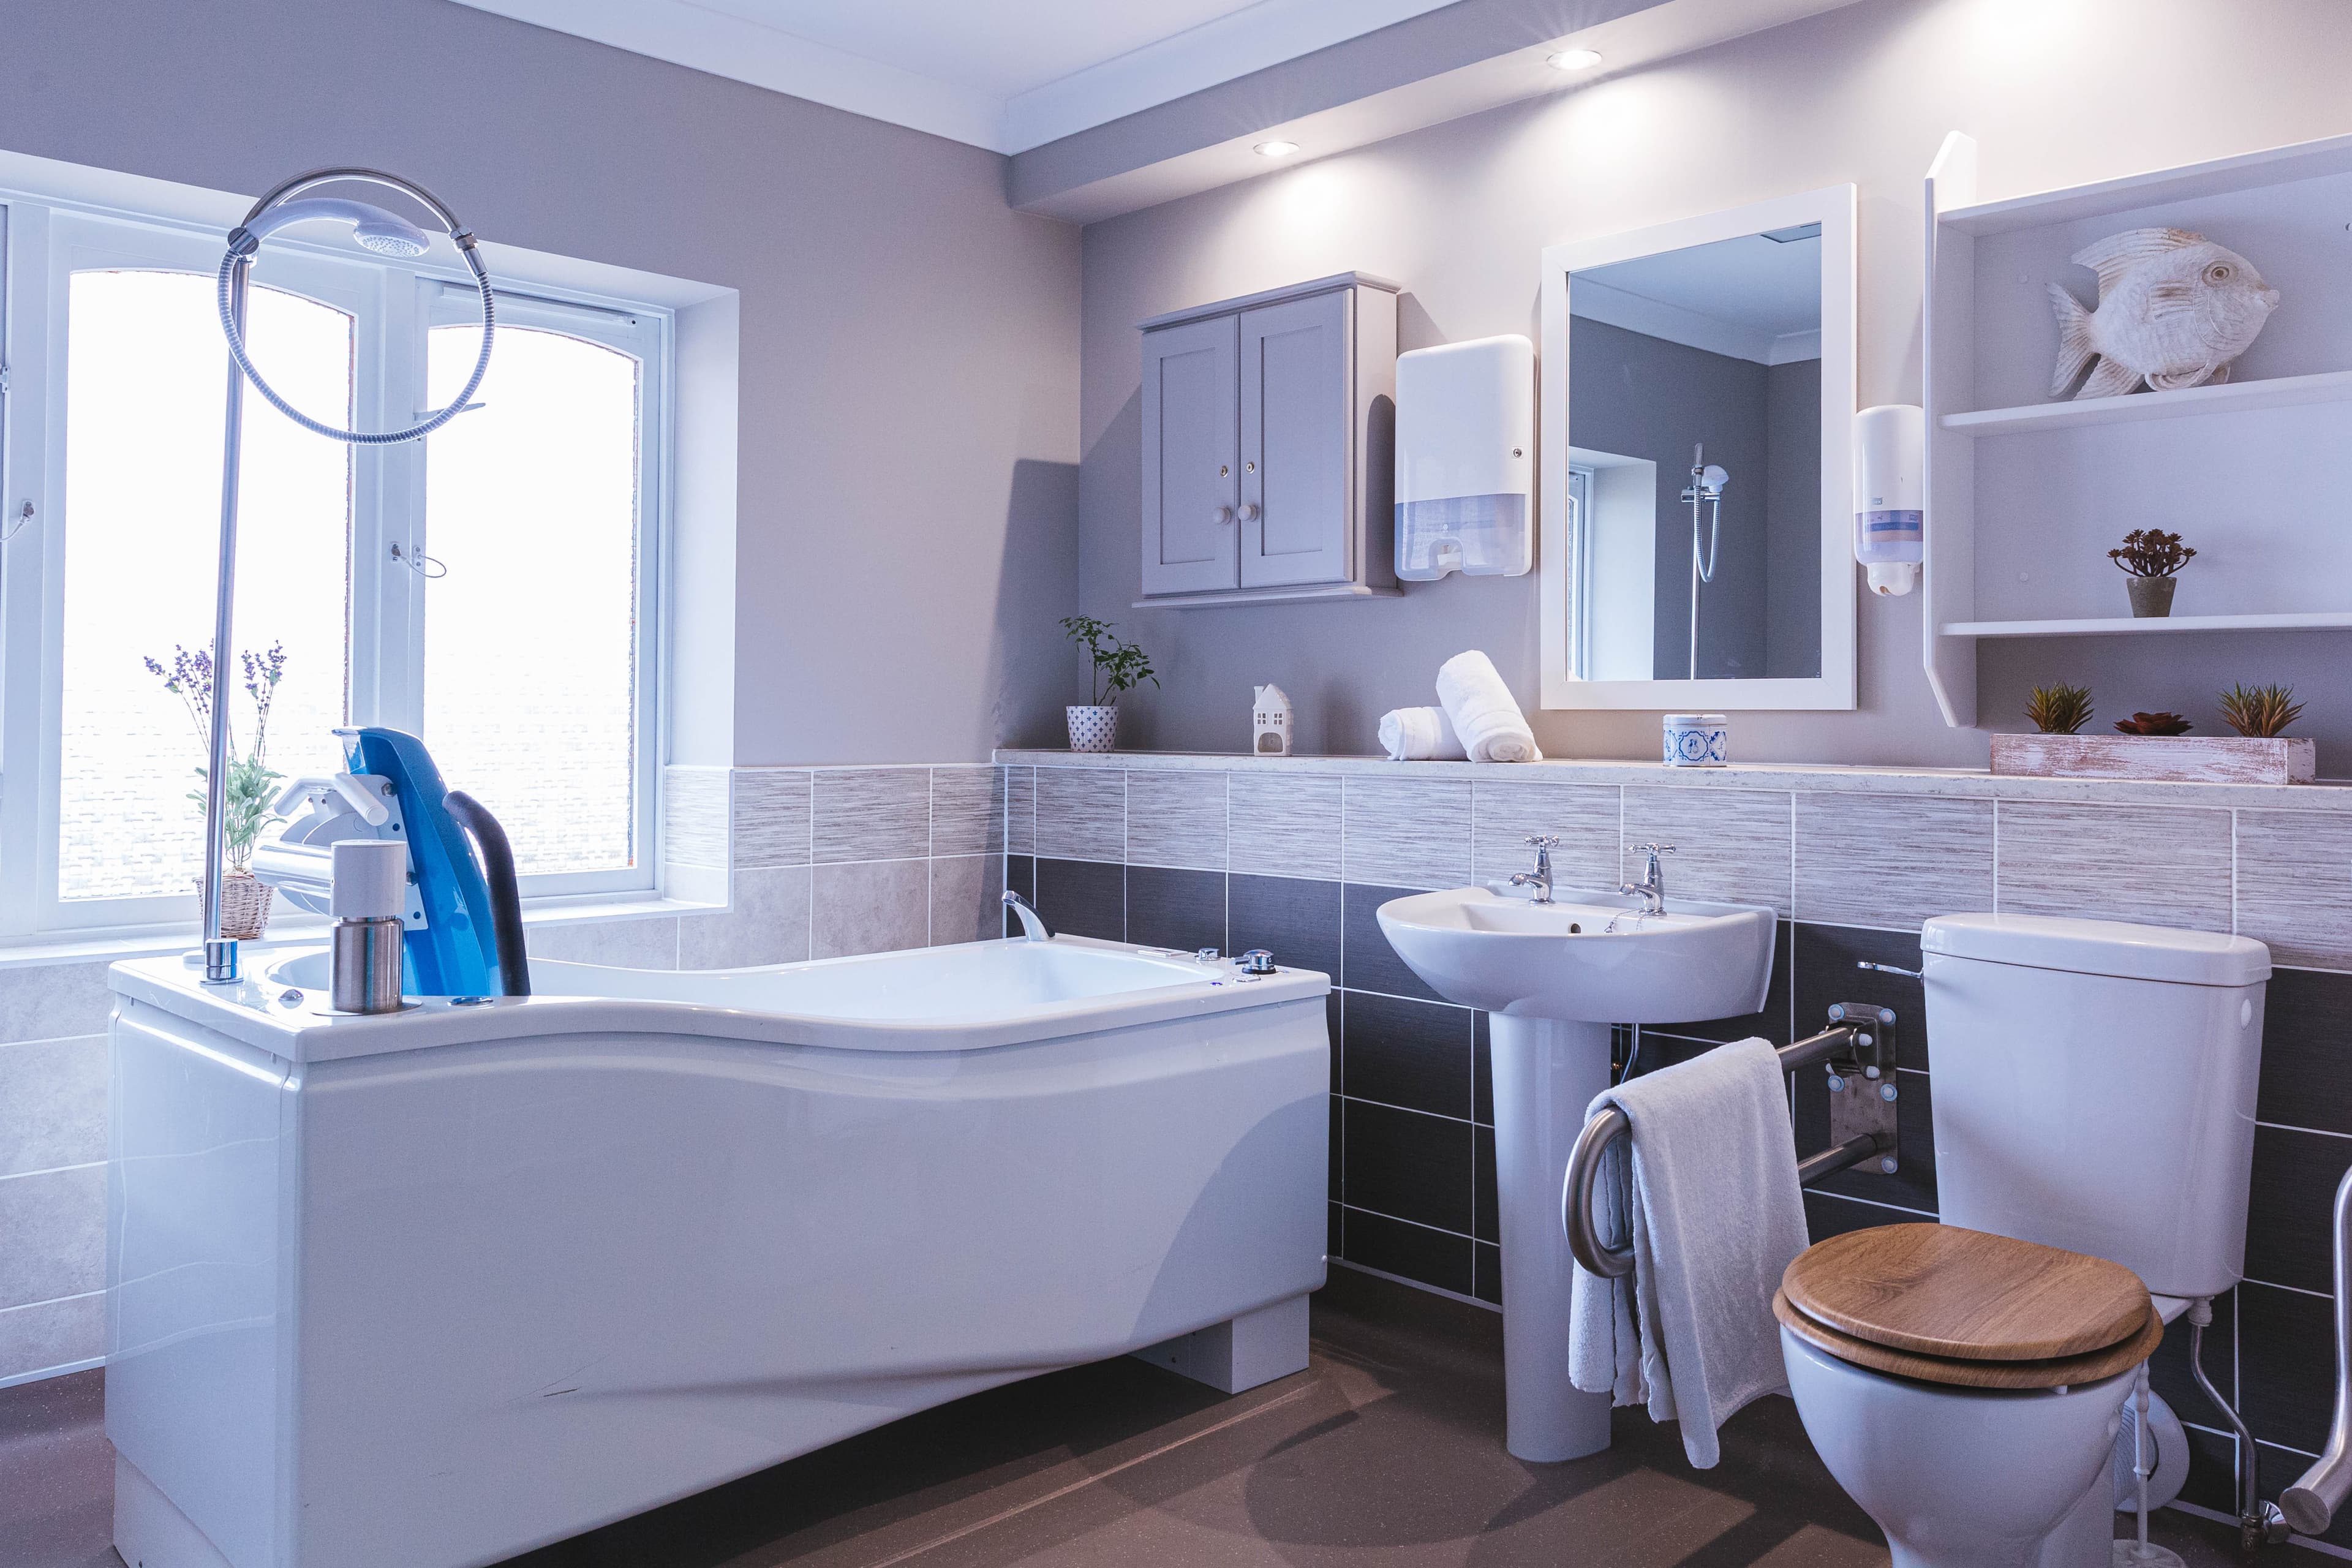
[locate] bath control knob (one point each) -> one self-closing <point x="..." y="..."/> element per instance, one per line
<point x="1256" y="961"/>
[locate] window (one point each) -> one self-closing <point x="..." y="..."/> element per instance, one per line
<point x="488" y="588"/>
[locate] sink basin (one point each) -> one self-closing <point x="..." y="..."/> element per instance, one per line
<point x="1553" y="978"/>
<point x="1590" y="957"/>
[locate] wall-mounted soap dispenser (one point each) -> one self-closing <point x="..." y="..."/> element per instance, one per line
<point x="1466" y="448"/>
<point x="1890" y="457"/>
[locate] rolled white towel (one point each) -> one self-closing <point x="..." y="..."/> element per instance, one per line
<point x="1484" y="712"/>
<point x="1420" y="735"/>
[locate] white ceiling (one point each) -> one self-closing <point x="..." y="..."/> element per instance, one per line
<point x="1007" y="75"/>
<point x="1752" y="297"/>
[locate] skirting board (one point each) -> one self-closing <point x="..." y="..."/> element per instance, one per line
<point x="2191" y="759"/>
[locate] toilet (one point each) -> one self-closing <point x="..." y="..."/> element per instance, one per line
<point x="2094" y="1090"/>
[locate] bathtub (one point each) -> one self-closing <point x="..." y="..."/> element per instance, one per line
<point x="435" y="1288"/>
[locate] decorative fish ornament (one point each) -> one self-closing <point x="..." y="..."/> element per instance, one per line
<point x="2174" y="310"/>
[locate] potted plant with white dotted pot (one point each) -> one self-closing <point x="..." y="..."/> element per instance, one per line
<point x="1113" y="667"/>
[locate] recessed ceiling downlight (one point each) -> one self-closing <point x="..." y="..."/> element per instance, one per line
<point x="1275" y="149"/>
<point x="1574" y="60"/>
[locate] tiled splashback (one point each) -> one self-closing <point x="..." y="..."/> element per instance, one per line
<point x="1297" y="856"/>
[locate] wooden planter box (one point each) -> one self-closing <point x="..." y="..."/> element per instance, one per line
<point x="2193" y="759"/>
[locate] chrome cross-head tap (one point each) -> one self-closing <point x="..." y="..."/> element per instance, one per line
<point x="1651" y="889"/>
<point x="1033" y="924"/>
<point x="1540" y="878"/>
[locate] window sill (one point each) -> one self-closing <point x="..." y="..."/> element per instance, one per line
<point x="107" y="946"/>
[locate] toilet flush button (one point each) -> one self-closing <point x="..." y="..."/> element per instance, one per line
<point x="2245" y="1012"/>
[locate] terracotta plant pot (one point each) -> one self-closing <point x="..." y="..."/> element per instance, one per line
<point x="1093" y="728"/>
<point x="2151" y="596"/>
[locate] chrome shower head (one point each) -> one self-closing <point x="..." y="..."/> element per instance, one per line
<point x="374" y="229"/>
<point x="1714" y="478"/>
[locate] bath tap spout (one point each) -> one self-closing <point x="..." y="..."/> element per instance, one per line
<point x="1033" y="924"/>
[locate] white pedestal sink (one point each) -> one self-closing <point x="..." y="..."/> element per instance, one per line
<point x="1553" y="978"/>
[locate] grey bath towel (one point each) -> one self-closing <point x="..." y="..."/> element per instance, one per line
<point x="1706" y="1187"/>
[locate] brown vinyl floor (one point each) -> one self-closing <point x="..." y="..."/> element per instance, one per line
<point x="1387" y="1451"/>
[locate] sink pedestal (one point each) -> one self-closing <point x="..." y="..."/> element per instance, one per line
<point x="1546" y="1071"/>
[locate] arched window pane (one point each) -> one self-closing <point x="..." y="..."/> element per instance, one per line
<point x="146" y="372"/>
<point x="530" y="640"/>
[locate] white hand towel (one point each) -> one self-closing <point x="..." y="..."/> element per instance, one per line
<point x="1708" y="1192"/>
<point x="1419" y="735"/>
<point x="1484" y="712"/>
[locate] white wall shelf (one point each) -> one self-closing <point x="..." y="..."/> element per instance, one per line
<point x="2026" y="495"/>
<point x="2231" y="398"/>
<point x="2287" y="621"/>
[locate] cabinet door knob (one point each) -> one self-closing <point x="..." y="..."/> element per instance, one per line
<point x="1223" y="514"/>
<point x="1248" y="512"/>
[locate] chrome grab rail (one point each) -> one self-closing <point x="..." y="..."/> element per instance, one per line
<point x="2313" y="1501"/>
<point x="1840" y="1040"/>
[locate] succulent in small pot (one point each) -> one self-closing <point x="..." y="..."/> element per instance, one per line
<point x="2259" y="712"/>
<point x="1114" y="667"/>
<point x="2154" y="724"/>
<point x="2153" y="559"/>
<point x="2059" y="709"/>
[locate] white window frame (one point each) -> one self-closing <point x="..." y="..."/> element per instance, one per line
<point x="42" y="242"/>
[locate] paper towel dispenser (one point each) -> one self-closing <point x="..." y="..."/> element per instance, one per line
<point x="1465" y="447"/>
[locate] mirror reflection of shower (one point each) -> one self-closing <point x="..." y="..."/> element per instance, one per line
<point x="1704" y="492"/>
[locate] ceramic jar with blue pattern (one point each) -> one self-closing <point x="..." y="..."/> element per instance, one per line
<point x="1698" y="739"/>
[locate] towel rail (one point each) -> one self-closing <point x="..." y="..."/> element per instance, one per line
<point x="2314" y="1500"/>
<point x="1861" y="1041"/>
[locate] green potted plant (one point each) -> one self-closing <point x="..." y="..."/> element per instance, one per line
<point x="2259" y="712"/>
<point x="2060" y="709"/>
<point x="250" y="785"/>
<point x="2152" y="560"/>
<point x="1114" y="667"/>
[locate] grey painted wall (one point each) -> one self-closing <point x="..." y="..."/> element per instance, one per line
<point x="910" y="346"/>
<point x="1792" y="518"/>
<point x="2053" y="95"/>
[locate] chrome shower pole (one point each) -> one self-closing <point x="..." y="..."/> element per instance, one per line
<point x="220" y="952"/>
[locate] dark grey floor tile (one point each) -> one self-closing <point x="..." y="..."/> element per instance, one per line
<point x="1826" y="959"/>
<point x="2307" y="1050"/>
<point x="1367" y="961"/>
<point x="1408" y="1164"/>
<point x="2286" y="1365"/>
<point x="1410" y="1251"/>
<point x="2290" y="1219"/>
<point x="1083" y="898"/>
<point x="1416" y="1055"/>
<point x="1295" y="919"/>
<point x="2169" y="1372"/>
<point x="1170" y="908"/>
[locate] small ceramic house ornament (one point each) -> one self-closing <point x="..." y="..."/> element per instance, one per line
<point x="1270" y="722"/>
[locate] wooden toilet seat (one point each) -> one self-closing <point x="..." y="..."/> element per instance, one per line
<point x="1945" y="1304"/>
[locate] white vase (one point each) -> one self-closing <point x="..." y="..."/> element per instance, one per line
<point x="1092" y="729"/>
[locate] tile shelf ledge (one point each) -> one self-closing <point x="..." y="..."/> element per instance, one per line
<point x="2326" y="796"/>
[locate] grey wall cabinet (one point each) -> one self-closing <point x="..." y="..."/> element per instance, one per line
<point x="1269" y="445"/>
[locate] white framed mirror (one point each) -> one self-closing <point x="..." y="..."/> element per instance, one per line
<point x="1696" y="506"/>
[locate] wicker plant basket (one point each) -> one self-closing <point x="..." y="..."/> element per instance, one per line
<point x="244" y="905"/>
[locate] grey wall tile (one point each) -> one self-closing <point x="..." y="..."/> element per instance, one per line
<point x="2154" y="865"/>
<point x="1892" y="860"/>
<point x="771" y="817"/>
<point x="53" y="1001"/>
<point x="648" y="943"/>
<point x="1176" y="819"/>
<point x="872" y="813"/>
<point x="1583" y="817"/>
<point x="967" y="810"/>
<point x="967" y="898"/>
<point x="2295" y="885"/>
<point x="869" y="906"/>
<point x="1284" y="825"/>
<point x="695" y="884"/>
<point x="1407" y="833"/>
<point x="769" y="924"/>
<point x="694" y="815"/>
<point x="55" y="1223"/>
<point x="47" y="1334"/>
<point x="1730" y="845"/>
<point x="52" y="1104"/>
<point x="1021" y="810"/>
<point x="1082" y="814"/>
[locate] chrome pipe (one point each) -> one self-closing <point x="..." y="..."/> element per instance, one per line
<point x="220" y="953"/>
<point x="2311" y="1503"/>
<point x="1584" y="1160"/>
